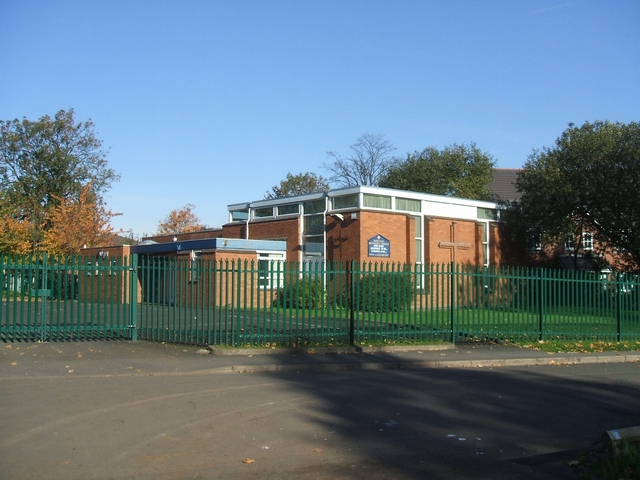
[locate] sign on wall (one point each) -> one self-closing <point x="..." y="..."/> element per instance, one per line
<point x="379" y="247"/>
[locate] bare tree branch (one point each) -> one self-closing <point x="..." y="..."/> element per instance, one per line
<point x="368" y="160"/>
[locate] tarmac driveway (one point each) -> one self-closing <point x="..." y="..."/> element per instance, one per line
<point x="101" y="410"/>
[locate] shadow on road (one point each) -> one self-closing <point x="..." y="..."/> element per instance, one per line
<point x="471" y="423"/>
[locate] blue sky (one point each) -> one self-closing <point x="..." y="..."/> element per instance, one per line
<point x="213" y="102"/>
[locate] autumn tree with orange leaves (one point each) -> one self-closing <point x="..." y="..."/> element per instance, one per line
<point x="74" y="224"/>
<point x="180" y="220"/>
<point x="53" y="171"/>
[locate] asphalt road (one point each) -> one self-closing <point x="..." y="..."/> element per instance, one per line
<point x="178" y="421"/>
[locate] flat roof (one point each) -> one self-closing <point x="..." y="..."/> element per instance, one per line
<point x="338" y="192"/>
<point x="221" y="244"/>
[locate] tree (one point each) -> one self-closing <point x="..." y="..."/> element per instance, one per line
<point x="181" y="220"/>
<point x="457" y="171"/>
<point x="76" y="223"/>
<point x="45" y="162"/>
<point x="298" y="185"/>
<point x="587" y="182"/>
<point x="368" y="160"/>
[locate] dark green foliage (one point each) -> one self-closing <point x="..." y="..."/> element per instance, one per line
<point x="457" y="171"/>
<point x="587" y="182"/>
<point x="381" y="292"/>
<point x="302" y="293"/>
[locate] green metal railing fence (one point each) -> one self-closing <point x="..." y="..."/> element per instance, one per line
<point x="55" y="298"/>
<point x="271" y="303"/>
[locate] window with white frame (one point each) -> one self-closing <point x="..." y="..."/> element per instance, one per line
<point x="290" y="209"/>
<point x="534" y="241"/>
<point x="587" y="241"/>
<point x="270" y="270"/>
<point x="313" y="228"/>
<point x="263" y="212"/>
<point x="345" y="201"/>
<point x="569" y="242"/>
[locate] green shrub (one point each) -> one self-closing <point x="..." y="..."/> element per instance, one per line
<point x="302" y="293"/>
<point x="381" y="292"/>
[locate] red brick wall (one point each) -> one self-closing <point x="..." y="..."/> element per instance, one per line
<point x="274" y="229"/>
<point x="348" y="240"/>
<point x="440" y="230"/>
<point x="234" y="230"/>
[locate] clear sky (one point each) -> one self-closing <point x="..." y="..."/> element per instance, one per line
<point x="213" y="102"/>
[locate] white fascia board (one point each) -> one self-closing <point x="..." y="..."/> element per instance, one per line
<point x="287" y="200"/>
<point x="238" y="206"/>
<point x="424" y="197"/>
<point x="462" y="212"/>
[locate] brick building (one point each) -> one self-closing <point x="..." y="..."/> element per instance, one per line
<point x="378" y="224"/>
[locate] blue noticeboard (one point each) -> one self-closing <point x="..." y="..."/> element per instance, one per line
<point x="379" y="247"/>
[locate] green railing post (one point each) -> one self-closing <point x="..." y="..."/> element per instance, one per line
<point x="452" y="301"/>
<point x="541" y="302"/>
<point x="42" y="293"/>
<point x="352" y="317"/>
<point x="618" y="313"/>
<point x="133" y="297"/>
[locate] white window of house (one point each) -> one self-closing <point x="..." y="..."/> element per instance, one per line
<point x="534" y="241"/>
<point x="270" y="270"/>
<point x="587" y="241"/>
<point x="569" y="244"/>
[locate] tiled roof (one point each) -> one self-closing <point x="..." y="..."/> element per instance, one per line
<point x="503" y="185"/>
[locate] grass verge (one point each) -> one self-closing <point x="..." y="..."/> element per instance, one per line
<point x="615" y="463"/>
<point x="564" y="346"/>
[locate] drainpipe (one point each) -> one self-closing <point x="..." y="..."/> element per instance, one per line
<point x="324" y="232"/>
<point x="246" y="229"/>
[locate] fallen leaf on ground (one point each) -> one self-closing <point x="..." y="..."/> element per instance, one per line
<point x="317" y="450"/>
<point x="14" y="363"/>
<point x="248" y="460"/>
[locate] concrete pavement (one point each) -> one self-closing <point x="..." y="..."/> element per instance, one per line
<point x="140" y="358"/>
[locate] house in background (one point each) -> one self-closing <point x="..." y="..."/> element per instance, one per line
<point x="503" y="185"/>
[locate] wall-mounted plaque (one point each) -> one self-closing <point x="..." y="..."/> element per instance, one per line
<point x="379" y="247"/>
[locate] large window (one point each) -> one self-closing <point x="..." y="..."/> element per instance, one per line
<point x="290" y="209"/>
<point x="408" y="204"/>
<point x="376" y="201"/>
<point x="487" y="214"/>
<point x="239" y="215"/>
<point x="418" y="238"/>
<point x="314" y="206"/>
<point x="313" y="228"/>
<point x="263" y="212"/>
<point x="347" y="201"/>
